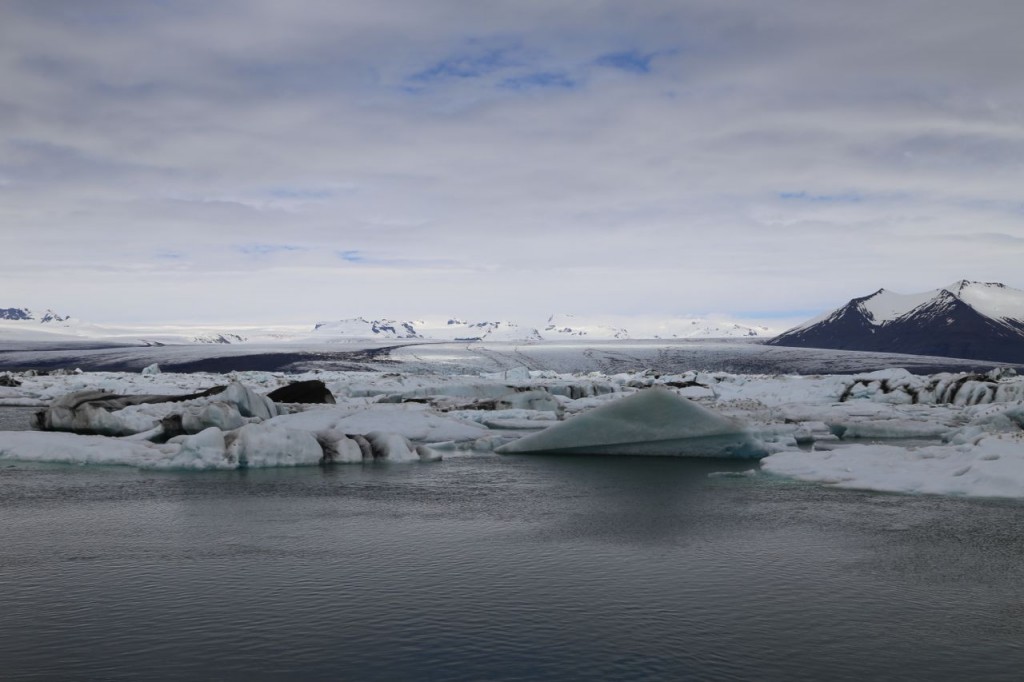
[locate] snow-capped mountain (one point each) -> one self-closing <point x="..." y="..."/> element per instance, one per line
<point x="459" y="330"/>
<point x="699" y="328"/>
<point x="568" y="326"/>
<point x="27" y="315"/>
<point x="361" y="327"/>
<point x="564" y="327"/>
<point x="26" y="324"/>
<point x="452" y="329"/>
<point x="977" y="320"/>
<point x="218" y="338"/>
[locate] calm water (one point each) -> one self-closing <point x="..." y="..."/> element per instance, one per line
<point x="499" y="568"/>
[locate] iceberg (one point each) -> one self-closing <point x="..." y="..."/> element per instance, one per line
<point x="653" y="421"/>
<point x="97" y="412"/>
<point x="228" y="427"/>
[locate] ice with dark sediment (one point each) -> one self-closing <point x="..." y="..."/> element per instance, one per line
<point x="958" y="433"/>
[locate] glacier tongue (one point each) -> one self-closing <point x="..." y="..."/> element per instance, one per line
<point x="655" y="421"/>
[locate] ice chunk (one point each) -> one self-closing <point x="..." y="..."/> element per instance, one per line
<point x="268" y="445"/>
<point x="74" y="449"/>
<point x="99" y="412"/>
<point x="391" y="446"/>
<point x="340" y="448"/>
<point x="249" y="403"/>
<point x="654" y="421"/>
<point x="991" y="467"/>
<point x="529" y="400"/>
<point x="224" y="416"/>
<point x="204" y="450"/>
<point x="891" y="428"/>
<point x="414" y="421"/>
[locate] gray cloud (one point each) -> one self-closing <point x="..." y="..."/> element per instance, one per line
<point x="501" y="157"/>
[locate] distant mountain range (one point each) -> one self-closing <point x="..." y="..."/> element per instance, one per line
<point x="27" y="315"/>
<point x="49" y="325"/>
<point x="557" y="327"/>
<point x="973" y="320"/>
<point x="28" y="324"/>
<point x="453" y="329"/>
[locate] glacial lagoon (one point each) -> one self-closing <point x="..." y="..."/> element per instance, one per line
<point x="493" y="567"/>
<point x="501" y="567"/>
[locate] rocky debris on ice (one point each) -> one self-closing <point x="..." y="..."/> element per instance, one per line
<point x="98" y="412"/>
<point x="250" y="446"/>
<point x="813" y="422"/>
<point x="651" y="422"/>
<point x="229" y="427"/>
<point x="309" y="392"/>
<point x="900" y="386"/>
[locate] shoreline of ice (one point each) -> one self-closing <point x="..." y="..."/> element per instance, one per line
<point x="837" y="430"/>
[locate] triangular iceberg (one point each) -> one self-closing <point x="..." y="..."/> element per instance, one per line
<point x="654" y="421"/>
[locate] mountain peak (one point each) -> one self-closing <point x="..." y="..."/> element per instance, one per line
<point x="560" y="326"/>
<point x="28" y="315"/>
<point x="977" y="320"/>
<point x="965" y="284"/>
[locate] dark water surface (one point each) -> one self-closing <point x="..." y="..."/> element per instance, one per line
<point x="500" y="568"/>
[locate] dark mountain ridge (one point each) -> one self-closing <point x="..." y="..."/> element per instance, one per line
<point x="971" y="320"/>
<point x="24" y="314"/>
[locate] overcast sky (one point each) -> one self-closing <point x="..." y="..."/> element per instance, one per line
<point x="260" y="160"/>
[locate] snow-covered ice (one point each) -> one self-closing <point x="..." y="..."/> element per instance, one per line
<point x="992" y="466"/>
<point x="948" y="433"/>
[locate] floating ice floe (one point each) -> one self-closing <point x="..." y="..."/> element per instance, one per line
<point x="983" y="457"/>
<point x="991" y="467"/>
<point x="654" y="421"/>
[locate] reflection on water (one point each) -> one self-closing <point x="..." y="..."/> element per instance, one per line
<point x="500" y="568"/>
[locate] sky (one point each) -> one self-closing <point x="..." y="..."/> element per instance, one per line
<point x="265" y="161"/>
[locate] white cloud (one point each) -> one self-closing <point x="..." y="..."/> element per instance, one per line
<point x="506" y="157"/>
